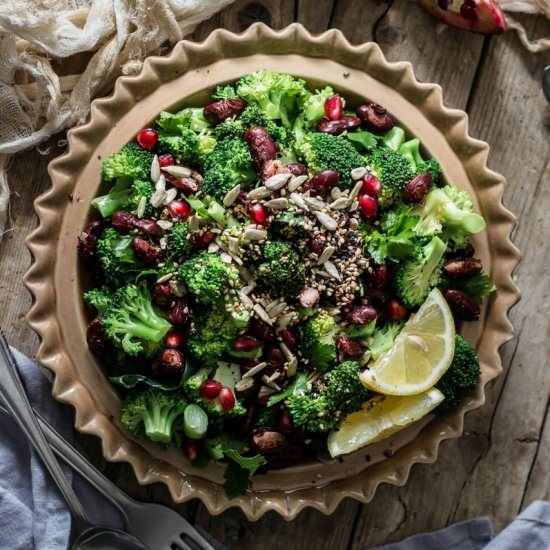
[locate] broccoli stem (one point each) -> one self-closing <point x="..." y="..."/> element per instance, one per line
<point x="411" y="151"/>
<point x="394" y="138"/>
<point x="158" y="423"/>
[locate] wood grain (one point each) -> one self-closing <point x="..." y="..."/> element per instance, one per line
<point x="500" y="465"/>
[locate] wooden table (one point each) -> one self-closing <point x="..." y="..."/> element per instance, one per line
<point x="502" y="462"/>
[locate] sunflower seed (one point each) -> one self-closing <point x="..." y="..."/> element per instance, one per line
<point x="299" y="201"/>
<point x="166" y="277"/>
<point x="165" y="224"/>
<point x="162" y="244"/>
<point x="226" y="258"/>
<point x="258" y="193"/>
<point x="255" y="234"/>
<point x="284" y="348"/>
<point x="326" y="254"/>
<point x="157" y="198"/>
<point x="277" y="310"/>
<point x="340" y="203"/>
<point x="141" y="207"/>
<point x="244" y="384"/>
<point x="155" y="169"/>
<point x="365" y="358"/>
<point x="236" y="259"/>
<point x="213" y="248"/>
<point x="194" y="224"/>
<point x="335" y="193"/>
<point x="285" y="320"/>
<point x="262" y="314"/>
<point x="248" y="288"/>
<point x="245" y="300"/>
<point x="233" y="245"/>
<point x="271" y="305"/>
<point x="316" y="204"/>
<point x="353" y="223"/>
<point x="254" y="370"/>
<point x="277" y="204"/>
<point x="178" y="288"/>
<point x="326" y="221"/>
<point x="358" y="173"/>
<point x="277" y="181"/>
<point x="265" y="392"/>
<point x="268" y="382"/>
<point x="171" y="194"/>
<point x="296" y="182"/>
<point x="332" y="271"/>
<point x="221" y="244"/>
<point x="231" y="196"/>
<point x="353" y="206"/>
<point x="292" y="367"/>
<point x="178" y="171"/>
<point x="245" y="274"/>
<point x="355" y="190"/>
<point x="160" y="184"/>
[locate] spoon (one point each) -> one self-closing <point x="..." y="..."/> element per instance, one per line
<point x="546" y="82"/>
<point x="88" y="536"/>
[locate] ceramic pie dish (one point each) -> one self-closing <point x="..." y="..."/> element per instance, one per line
<point x="185" y="77"/>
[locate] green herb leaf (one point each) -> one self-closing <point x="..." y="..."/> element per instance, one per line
<point x="130" y="381"/>
<point x="237" y="480"/>
<point x="298" y="385"/>
<point x="364" y="139"/>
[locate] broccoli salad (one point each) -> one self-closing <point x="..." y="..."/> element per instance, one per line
<point x="252" y="257"/>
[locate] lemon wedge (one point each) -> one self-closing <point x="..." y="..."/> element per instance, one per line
<point x="420" y="355"/>
<point x="379" y="418"/>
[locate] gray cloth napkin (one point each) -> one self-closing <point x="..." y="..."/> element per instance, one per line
<point x="33" y="515"/>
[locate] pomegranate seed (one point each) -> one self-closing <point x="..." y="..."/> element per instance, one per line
<point x="379" y="275"/>
<point x="147" y="138"/>
<point x="334" y="108"/>
<point x="395" y="310"/>
<point x="166" y="160"/>
<point x="180" y="210"/>
<point x="368" y="206"/>
<point x="371" y="186"/>
<point x="289" y="338"/>
<point x="274" y="356"/>
<point x="246" y="343"/>
<point x="258" y="214"/>
<point x="175" y="339"/>
<point x="316" y="245"/>
<point x="191" y="449"/>
<point x="210" y="389"/>
<point x="227" y="399"/>
<point x="202" y="241"/>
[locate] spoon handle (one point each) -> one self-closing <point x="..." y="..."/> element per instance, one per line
<point x="14" y="396"/>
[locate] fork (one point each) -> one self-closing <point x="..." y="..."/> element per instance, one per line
<point x="157" y="526"/>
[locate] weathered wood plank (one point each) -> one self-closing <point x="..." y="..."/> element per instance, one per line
<point x="315" y="15"/>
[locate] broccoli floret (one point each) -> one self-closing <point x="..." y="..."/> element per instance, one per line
<point x="461" y="377"/>
<point x="179" y="245"/>
<point x="116" y="199"/>
<point x="141" y="190"/>
<point x="132" y="323"/>
<point x="274" y="93"/>
<point x="207" y="277"/>
<point x="117" y="258"/>
<point x="131" y="161"/>
<point x="100" y="298"/>
<point x="228" y="164"/>
<point x="154" y="414"/>
<point x="338" y="393"/>
<point x="382" y="340"/>
<point x="394" y="139"/>
<point x="281" y="268"/>
<point x="433" y="168"/>
<point x="319" y="341"/>
<point x="191" y="117"/>
<point x="449" y="213"/>
<point x="212" y="334"/>
<point x="183" y="146"/>
<point x="327" y="152"/>
<point x="411" y="151"/>
<point x="224" y="91"/>
<point x="212" y="407"/>
<point x="393" y="171"/>
<point x="312" y="110"/>
<point x="476" y="287"/>
<point x="415" y="277"/>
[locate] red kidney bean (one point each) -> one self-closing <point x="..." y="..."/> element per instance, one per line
<point x="227" y="399"/>
<point x="147" y="138"/>
<point x="371" y="186"/>
<point x="188" y="185"/>
<point x="149" y="227"/>
<point x="246" y="343"/>
<point x="462" y="306"/>
<point x="368" y="206"/>
<point x="262" y="330"/>
<point x="348" y="347"/>
<point x="297" y="169"/>
<point x="362" y="314"/>
<point x="204" y="239"/>
<point x="285" y="424"/>
<point x="309" y="297"/>
<point x="166" y="160"/>
<point x="249" y="420"/>
<point x="266" y="441"/>
<point x="334" y="107"/>
<point x="179" y="314"/>
<point x="163" y="295"/>
<point x="462" y="268"/>
<point x="336" y="127"/>
<point x="175" y="339"/>
<point x="87" y="240"/>
<point x="261" y="144"/>
<point x="289" y="338"/>
<point x="258" y="214"/>
<point x="210" y="389"/>
<point x="179" y="210"/>
<point x="416" y="190"/>
<point x="395" y="310"/>
<point x="95" y="337"/>
<point x="223" y="109"/>
<point x="169" y="363"/>
<point x="274" y="356"/>
<point x="124" y="222"/>
<point x="322" y="182"/>
<point x="150" y="254"/>
<point x="375" y="117"/>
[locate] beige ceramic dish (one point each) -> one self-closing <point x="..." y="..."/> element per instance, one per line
<point x="190" y="72"/>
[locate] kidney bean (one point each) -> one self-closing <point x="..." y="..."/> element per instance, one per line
<point x="148" y="253"/>
<point x="262" y="330"/>
<point x="87" y="240"/>
<point x="95" y="337"/>
<point x="188" y="185"/>
<point x="336" y="127"/>
<point x="224" y="108"/>
<point x="322" y="182"/>
<point x="124" y="222"/>
<point x="297" y="169"/>
<point x="416" y="190"/>
<point x="203" y="240"/>
<point x="462" y="306"/>
<point x="362" y="314"/>
<point x="261" y="144"/>
<point x="348" y="346"/>
<point x="289" y="338"/>
<point x="179" y="314"/>
<point x="309" y="297"/>
<point x="169" y="363"/>
<point x="462" y="268"/>
<point x="249" y="420"/>
<point x="163" y="295"/>
<point x="466" y="252"/>
<point x="334" y="107"/>
<point x="274" y="356"/>
<point x="266" y="441"/>
<point x="285" y="424"/>
<point x="246" y="343"/>
<point x="149" y="227"/>
<point x="374" y="117"/>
